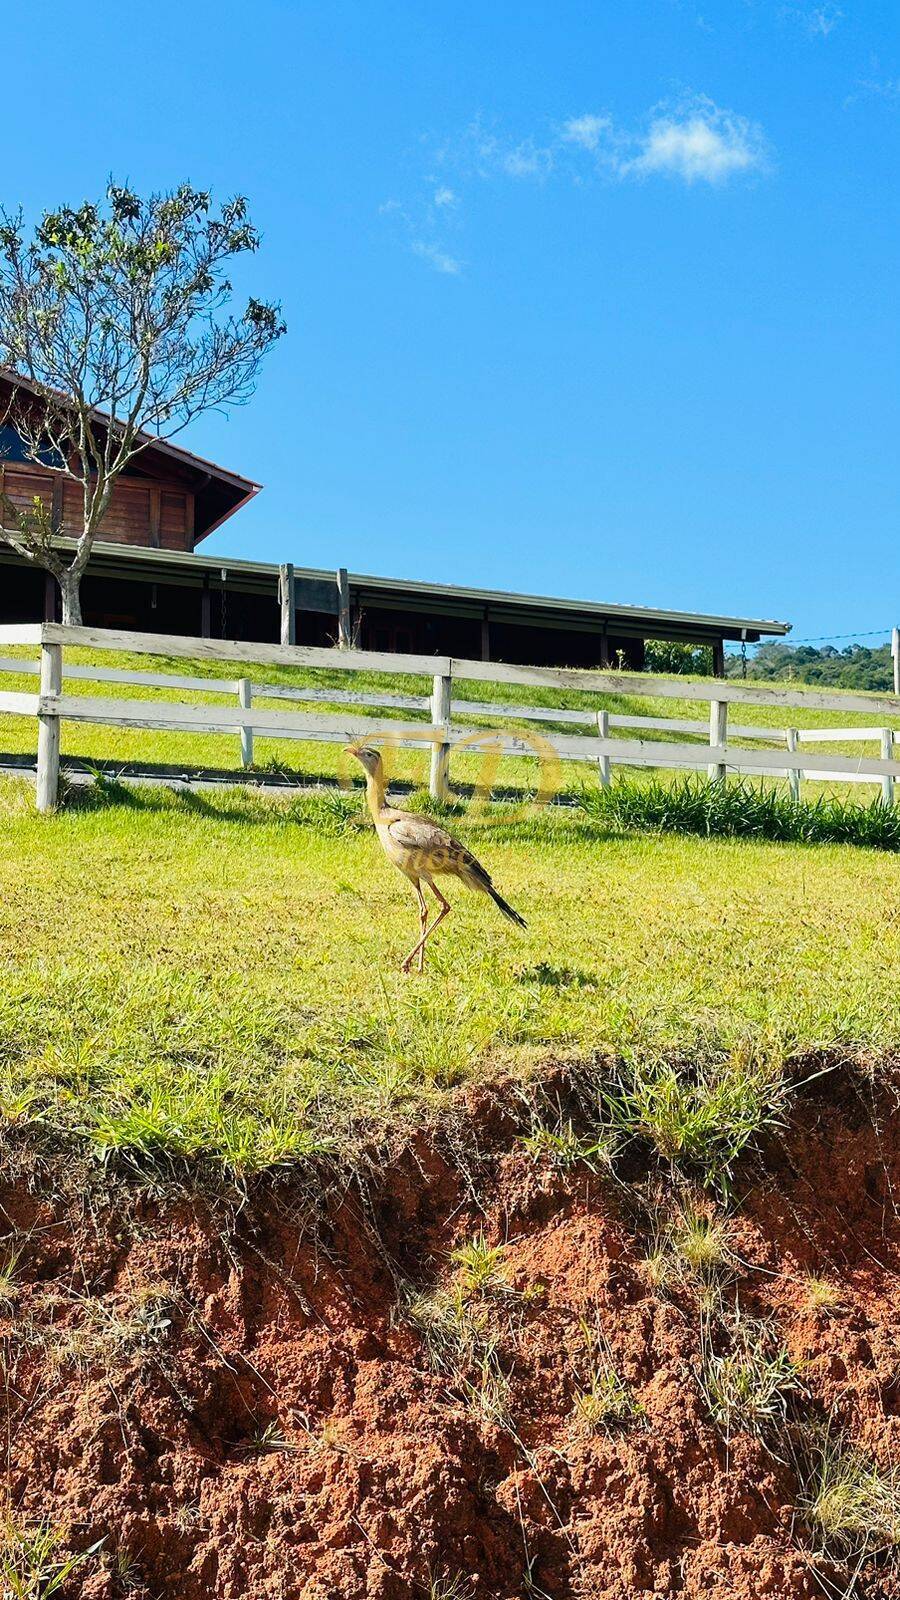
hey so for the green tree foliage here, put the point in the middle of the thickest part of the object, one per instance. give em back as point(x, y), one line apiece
point(856, 666)
point(668, 655)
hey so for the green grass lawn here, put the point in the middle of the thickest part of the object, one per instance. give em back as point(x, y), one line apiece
point(220, 975)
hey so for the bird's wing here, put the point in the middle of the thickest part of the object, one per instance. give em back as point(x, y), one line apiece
point(434, 850)
point(417, 833)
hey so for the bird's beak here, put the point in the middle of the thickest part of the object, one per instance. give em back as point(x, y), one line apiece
point(351, 750)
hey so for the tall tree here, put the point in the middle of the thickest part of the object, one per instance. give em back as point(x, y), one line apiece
point(116, 317)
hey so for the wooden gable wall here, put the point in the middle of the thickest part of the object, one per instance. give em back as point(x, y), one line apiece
point(147, 512)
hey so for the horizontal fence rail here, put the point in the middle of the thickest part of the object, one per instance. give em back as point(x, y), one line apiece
point(587, 734)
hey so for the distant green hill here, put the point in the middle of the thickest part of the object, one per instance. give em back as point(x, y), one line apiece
point(855, 667)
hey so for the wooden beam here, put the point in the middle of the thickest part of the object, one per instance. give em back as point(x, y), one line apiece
point(287, 600)
point(887, 754)
point(48, 728)
point(718, 657)
point(485, 637)
point(439, 776)
point(718, 735)
point(331, 728)
point(206, 649)
point(645, 685)
point(343, 589)
point(19, 705)
point(245, 701)
point(793, 741)
point(603, 766)
point(21, 633)
point(205, 610)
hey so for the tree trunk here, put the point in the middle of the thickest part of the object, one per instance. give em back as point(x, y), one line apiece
point(70, 589)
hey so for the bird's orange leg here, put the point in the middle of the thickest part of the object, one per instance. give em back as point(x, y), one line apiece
point(423, 930)
point(419, 949)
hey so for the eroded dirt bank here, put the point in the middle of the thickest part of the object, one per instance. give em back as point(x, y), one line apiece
point(242, 1402)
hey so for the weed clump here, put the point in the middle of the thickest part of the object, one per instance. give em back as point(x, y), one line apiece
point(466, 1326)
point(606, 1401)
point(560, 1145)
point(748, 1385)
point(851, 1505)
point(701, 1118)
point(33, 1561)
point(822, 1296)
point(741, 810)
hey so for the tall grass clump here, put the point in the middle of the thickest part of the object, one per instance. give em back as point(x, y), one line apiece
point(748, 1386)
point(699, 1118)
point(741, 811)
point(851, 1505)
point(33, 1561)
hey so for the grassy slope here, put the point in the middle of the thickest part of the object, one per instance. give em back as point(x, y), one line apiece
point(18, 734)
point(221, 975)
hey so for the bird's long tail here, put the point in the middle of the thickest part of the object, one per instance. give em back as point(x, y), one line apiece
point(506, 908)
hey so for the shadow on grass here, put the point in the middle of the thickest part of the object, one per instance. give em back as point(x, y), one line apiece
point(332, 810)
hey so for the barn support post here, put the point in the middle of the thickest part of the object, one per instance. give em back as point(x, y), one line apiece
point(718, 735)
point(245, 701)
point(439, 776)
point(343, 594)
point(887, 754)
point(485, 637)
point(603, 764)
point(205, 609)
point(718, 658)
point(48, 730)
point(287, 600)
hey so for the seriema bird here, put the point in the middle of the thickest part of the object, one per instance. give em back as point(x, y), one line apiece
point(423, 851)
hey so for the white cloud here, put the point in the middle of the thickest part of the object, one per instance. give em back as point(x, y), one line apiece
point(495, 155)
point(440, 259)
point(699, 143)
point(586, 131)
point(691, 141)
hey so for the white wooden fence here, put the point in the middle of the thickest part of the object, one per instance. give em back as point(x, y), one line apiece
point(781, 756)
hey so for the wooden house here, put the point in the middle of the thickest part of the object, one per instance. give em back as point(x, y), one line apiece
point(148, 573)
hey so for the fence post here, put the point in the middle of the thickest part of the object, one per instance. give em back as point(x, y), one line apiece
point(887, 754)
point(603, 761)
point(792, 737)
point(48, 730)
point(245, 701)
point(439, 776)
point(718, 734)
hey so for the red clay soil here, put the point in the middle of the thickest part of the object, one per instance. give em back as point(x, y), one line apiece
point(231, 1398)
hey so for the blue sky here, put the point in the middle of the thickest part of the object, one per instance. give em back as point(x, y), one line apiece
point(583, 299)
